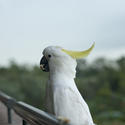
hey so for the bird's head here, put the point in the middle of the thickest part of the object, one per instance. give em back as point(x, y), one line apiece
point(58, 59)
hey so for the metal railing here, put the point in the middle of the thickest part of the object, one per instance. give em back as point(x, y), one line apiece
point(28, 113)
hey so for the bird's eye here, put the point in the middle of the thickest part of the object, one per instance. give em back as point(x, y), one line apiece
point(49, 56)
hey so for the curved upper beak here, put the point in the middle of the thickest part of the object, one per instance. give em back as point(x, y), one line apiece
point(44, 64)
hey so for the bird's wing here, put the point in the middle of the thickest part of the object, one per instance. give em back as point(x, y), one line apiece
point(70, 104)
point(49, 98)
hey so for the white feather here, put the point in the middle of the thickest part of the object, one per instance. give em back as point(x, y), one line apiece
point(63, 98)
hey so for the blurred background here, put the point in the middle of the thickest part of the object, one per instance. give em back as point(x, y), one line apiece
point(28, 26)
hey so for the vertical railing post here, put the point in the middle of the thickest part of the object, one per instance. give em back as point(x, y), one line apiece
point(9, 115)
point(24, 122)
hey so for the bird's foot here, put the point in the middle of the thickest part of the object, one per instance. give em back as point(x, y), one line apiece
point(63, 119)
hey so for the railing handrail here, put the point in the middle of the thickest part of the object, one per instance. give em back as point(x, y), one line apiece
point(7, 100)
point(28, 113)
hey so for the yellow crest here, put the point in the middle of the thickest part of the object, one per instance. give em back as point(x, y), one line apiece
point(79, 54)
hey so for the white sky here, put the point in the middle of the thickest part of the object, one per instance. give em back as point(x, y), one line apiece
point(28, 26)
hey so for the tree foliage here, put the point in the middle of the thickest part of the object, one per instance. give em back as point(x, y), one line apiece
point(101, 83)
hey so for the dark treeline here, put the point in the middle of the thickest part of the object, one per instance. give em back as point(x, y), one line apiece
point(101, 83)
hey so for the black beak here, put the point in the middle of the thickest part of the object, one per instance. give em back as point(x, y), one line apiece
point(44, 64)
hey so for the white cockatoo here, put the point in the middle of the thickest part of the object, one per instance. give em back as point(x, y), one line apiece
point(62, 96)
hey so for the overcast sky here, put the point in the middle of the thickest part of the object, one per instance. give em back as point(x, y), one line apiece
point(28, 26)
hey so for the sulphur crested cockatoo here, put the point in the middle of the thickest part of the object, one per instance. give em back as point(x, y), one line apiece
point(62, 96)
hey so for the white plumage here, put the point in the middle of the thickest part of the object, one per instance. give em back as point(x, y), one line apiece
point(62, 96)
